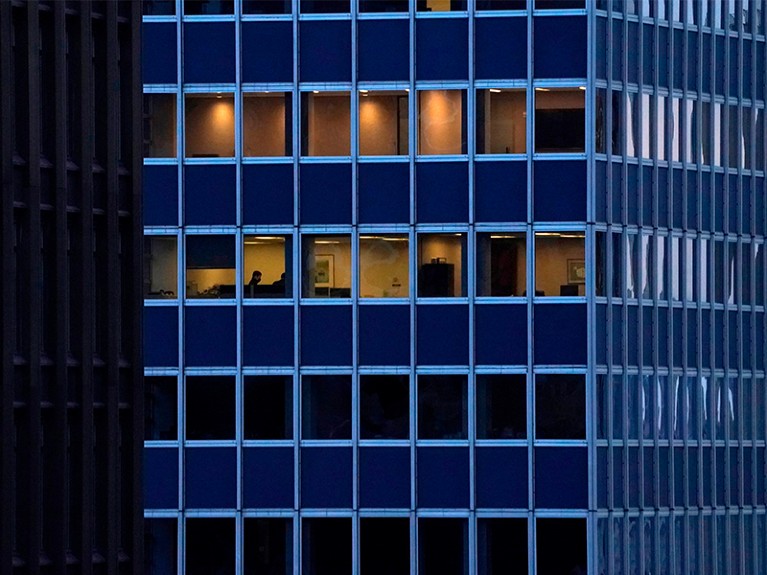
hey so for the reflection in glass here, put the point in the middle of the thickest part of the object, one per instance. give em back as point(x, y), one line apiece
point(267, 266)
point(501, 125)
point(441, 265)
point(208, 7)
point(326, 265)
point(159, 7)
point(383, 123)
point(384, 264)
point(160, 546)
point(560, 406)
point(325, 124)
point(266, 121)
point(159, 125)
point(560, 120)
point(560, 264)
point(501, 406)
point(210, 266)
point(660, 267)
point(209, 125)
point(660, 126)
point(384, 406)
point(160, 266)
point(160, 408)
point(632, 124)
point(326, 407)
point(501, 264)
point(441, 122)
point(442, 407)
point(268, 545)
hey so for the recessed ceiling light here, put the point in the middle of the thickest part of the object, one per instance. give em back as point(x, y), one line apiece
point(495, 90)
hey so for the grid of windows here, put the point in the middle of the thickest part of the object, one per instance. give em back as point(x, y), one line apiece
point(434, 278)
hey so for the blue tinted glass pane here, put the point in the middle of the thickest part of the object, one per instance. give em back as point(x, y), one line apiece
point(441, 49)
point(441, 192)
point(491, 322)
point(325, 51)
point(560, 334)
point(160, 478)
point(442, 334)
point(267, 477)
point(160, 195)
point(501, 48)
point(317, 347)
point(267, 194)
point(500, 191)
point(433, 490)
point(160, 336)
point(267, 336)
point(210, 480)
point(326, 193)
point(384, 193)
point(326, 477)
point(209, 52)
point(209, 195)
point(383, 50)
point(384, 477)
point(560, 47)
point(384, 335)
point(158, 48)
point(210, 335)
point(561, 477)
point(267, 52)
point(550, 179)
point(501, 477)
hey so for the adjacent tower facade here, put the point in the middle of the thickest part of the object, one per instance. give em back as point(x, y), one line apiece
point(71, 414)
point(447, 286)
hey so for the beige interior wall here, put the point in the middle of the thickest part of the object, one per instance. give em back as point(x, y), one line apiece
point(199, 280)
point(263, 125)
point(342, 260)
point(443, 246)
point(266, 257)
point(438, 5)
point(439, 122)
point(551, 255)
point(329, 125)
point(209, 126)
point(559, 99)
point(378, 125)
point(505, 122)
point(163, 267)
point(384, 268)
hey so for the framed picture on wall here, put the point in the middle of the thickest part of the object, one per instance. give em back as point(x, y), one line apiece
point(576, 271)
point(324, 271)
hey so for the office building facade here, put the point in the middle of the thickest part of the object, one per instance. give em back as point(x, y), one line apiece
point(447, 286)
point(70, 161)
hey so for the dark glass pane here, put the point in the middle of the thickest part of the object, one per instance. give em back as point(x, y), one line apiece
point(210, 408)
point(384, 406)
point(561, 546)
point(442, 404)
point(502, 546)
point(384, 546)
point(501, 407)
point(160, 544)
point(327, 546)
point(560, 407)
point(326, 407)
point(160, 408)
point(210, 546)
point(268, 546)
point(442, 547)
point(208, 7)
point(268, 407)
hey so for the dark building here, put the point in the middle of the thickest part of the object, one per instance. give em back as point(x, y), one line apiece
point(70, 388)
point(511, 308)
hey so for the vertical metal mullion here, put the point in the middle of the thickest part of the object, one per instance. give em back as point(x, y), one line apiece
point(113, 287)
point(8, 295)
point(413, 139)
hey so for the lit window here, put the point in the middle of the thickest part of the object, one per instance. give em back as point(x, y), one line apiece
point(267, 268)
point(383, 123)
point(501, 406)
point(266, 124)
point(160, 267)
point(441, 122)
point(501, 264)
point(210, 271)
point(326, 265)
point(440, 5)
point(560, 264)
point(384, 261)
point(325, 124)
point(209, 125)
point(560, 406)
point(560, 120)
point(159, 125)
point(326, 407)
point(384, 407)
point(441, 265)
point(268, 407)
point(442, 407)
point(501, 127)
point(210, 408)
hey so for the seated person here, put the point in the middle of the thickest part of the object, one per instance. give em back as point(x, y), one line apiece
point(255, 279)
